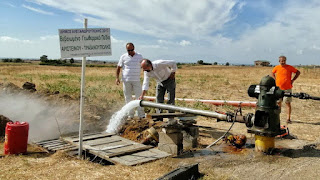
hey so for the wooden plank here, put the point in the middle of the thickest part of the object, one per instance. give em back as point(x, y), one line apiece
point(121, 153)
point(131, 159)
point(141, 157)
point(108, 147)
point(104, 143)
point(90, 137)
point(105, 154)
point(84, 135)
point(132, 148)
point(53, 144)
point(47, 141)
point(116, 149)
point(96, 142)
point(72, 148)
point(104, 140)
point(63, 147)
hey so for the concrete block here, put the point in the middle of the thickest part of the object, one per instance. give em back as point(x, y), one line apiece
point(172, 138)
point(189, 141)
point(171, 148)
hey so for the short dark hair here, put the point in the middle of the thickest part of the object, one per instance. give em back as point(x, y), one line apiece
point(148, 62)
point(130, 43)
point(283, 57)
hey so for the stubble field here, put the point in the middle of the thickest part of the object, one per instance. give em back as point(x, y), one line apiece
point(61, 87)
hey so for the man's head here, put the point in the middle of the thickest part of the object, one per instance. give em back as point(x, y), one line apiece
point(146, 65)
point(130, 48)
point(282, 60)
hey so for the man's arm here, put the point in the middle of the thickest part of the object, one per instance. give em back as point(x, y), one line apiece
point(273, 73)
point(117, 75)
point(145, 85)
point(142, 94)
point(296, 76)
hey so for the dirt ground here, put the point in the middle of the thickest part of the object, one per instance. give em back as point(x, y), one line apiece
point(296, 157)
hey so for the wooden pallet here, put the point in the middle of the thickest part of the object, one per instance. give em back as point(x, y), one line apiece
point(117, 149)
point(54, 145)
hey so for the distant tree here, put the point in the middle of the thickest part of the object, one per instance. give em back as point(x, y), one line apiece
point(6, 60)
point(227, 64)
point(215, 63)
point(71, 60)
point(200, 62)
point(104, 62)
point(44, 58)
point(18, 60)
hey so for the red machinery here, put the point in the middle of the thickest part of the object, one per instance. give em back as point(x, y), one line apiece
point(16, 138)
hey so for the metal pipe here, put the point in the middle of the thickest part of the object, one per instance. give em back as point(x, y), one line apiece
point(183, 109)
point(214, 102)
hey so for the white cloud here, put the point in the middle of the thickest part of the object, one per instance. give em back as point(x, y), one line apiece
point(11, 39)
point(161, 41)
point(292, 32)
point(316, 47)
point(14, 47)
point(37, 10)
point(166, 28)
point(151, 46)
point(300, 51)
point(114, 40)
point(43, 38)
point(163, 18)
point(9, 4)
point(185, 43)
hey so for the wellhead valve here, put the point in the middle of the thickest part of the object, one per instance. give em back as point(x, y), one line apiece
point(267, 114)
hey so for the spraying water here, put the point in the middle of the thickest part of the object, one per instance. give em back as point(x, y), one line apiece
point(119, 118)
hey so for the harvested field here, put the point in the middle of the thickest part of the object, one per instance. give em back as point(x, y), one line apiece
point(297, 158)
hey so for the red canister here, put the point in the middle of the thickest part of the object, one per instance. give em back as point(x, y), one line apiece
point(16, 137)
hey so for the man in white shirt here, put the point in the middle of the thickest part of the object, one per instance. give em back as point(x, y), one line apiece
point(130, 64)
point(164, 73)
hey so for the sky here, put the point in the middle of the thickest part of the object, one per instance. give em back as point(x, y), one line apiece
point(234, 31)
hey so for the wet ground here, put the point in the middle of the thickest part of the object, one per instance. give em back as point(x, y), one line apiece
point(292, 158)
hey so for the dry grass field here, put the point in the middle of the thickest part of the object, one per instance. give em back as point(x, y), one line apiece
point(103, 98)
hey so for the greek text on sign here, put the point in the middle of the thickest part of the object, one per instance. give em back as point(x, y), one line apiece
point(85, 42)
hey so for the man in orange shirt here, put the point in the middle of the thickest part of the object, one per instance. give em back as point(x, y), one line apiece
point(283, 75)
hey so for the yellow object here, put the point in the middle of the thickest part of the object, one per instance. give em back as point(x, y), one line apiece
point(153, 133)
point(263, 143)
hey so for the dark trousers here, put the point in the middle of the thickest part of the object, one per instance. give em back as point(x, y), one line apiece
point(169, 86)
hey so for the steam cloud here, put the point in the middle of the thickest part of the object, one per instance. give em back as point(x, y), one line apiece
point(44, 118)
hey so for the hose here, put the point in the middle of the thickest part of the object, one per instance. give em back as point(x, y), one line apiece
point(224, 135)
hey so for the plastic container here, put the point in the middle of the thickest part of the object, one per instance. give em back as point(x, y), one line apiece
point(16, 137)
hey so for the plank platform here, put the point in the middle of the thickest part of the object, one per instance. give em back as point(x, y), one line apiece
point(114, 148)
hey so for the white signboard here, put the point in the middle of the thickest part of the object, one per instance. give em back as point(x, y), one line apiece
point(85, 42)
